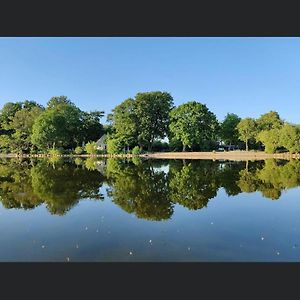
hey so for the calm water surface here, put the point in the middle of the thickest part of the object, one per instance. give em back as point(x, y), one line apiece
point(152, 210)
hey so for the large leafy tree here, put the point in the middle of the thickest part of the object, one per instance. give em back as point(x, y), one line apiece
point(268, 121)
point(49, 130)
point(22, 123)
point(92, 129)
point(17, 120)
point(247, 130)
point(228, 129)
point(152, 112)
point(270, 139)
point(290, 137)
point(193, 123)
point(124, 123)
point(63, 124)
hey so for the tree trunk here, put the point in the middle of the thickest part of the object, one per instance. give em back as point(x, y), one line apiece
point(246, 145)
point(184, 148)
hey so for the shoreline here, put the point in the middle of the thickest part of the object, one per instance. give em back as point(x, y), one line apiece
point(230, 155)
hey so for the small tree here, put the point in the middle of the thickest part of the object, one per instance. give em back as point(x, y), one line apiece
point(91, 148)
point(136, 150)
point(114, 146)
point(78, 150)
point(247, 130)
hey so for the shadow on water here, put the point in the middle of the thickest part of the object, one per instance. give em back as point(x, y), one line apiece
point(149, 188)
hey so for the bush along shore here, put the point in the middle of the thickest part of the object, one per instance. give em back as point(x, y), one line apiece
point(148, 125)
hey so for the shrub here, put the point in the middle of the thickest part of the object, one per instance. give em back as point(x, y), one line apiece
point(136, 150)
point(91, 148)
point(78, 150)
point(55, 152)
point(114, 146)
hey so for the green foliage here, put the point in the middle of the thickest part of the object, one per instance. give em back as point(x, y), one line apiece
point(49, 130)
point(268, 121)
point(193, 123)
point(124, 123)
point(79, 150)
point(270, 139)
point(55, 152)
point(228, 129)
point(136, 150)
point(114, 145)
point(247, 130)
point(91, 148)
point(152, 112)
point(290, 138)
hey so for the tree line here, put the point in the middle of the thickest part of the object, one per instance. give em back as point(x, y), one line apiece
point(138, 124)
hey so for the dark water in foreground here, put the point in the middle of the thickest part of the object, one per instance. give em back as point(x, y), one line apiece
point(153, 210)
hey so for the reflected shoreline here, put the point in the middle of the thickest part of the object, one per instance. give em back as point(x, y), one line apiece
point(147, 188)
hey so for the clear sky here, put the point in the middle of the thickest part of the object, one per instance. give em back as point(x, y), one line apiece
point(246, 76)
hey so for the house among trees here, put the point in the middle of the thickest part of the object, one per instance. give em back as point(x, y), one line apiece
point(101, 143)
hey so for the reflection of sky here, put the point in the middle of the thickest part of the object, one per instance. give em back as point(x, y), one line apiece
point(162, 169)
point(244, 227)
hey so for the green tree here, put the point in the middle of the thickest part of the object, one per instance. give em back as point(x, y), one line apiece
point(124, 122)
point(114, 145)
point(193, 123)
point(270, 139)
point(247, 130)
point(228, 129)
point(152, 112)
point(91, 129)
point(49, 130)
point(290, 138)
point(91, 148)
point(268, 121)
point(60, 125)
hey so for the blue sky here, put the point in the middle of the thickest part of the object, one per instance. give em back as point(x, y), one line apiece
point(246, 76)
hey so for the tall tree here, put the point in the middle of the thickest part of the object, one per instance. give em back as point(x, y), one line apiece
point(247, 130)
point(228, 130)
point(152, 112)
point(270, 139)
point(290, 137)
point(124, 123)
point(193, 123)
point(268, 121)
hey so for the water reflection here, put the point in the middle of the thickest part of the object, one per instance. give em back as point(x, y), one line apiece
point(148, 189)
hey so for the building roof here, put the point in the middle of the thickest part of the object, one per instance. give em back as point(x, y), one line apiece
point(102, 140)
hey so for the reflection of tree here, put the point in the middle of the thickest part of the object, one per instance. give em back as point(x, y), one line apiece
point(193, 184)
point(26, 184)
point(271, 179)
point(15, 185)
point(228, 177)
point(63, 186)
point(138, 189)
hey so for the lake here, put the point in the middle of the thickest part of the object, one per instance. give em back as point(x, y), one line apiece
point(115, 210)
